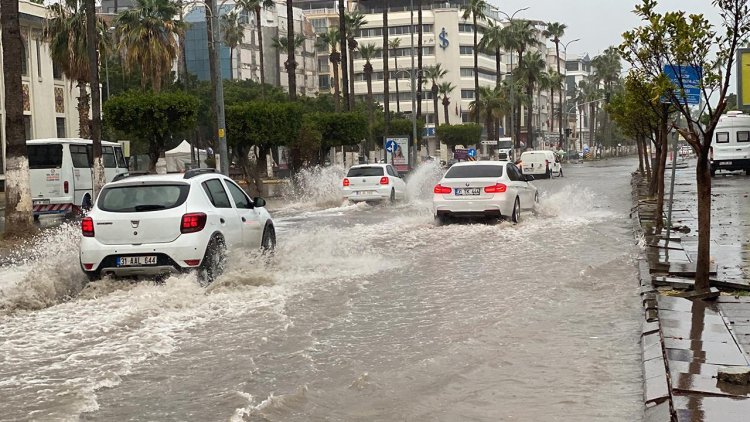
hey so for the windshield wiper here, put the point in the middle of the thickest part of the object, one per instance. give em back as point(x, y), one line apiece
point(149, 207)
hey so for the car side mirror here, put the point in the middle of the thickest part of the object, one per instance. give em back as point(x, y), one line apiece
point(259, 202)
point(528, 177)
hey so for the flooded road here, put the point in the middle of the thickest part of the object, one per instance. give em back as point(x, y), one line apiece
point(365, 313)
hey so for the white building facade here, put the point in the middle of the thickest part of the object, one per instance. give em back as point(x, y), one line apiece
point(49, 100)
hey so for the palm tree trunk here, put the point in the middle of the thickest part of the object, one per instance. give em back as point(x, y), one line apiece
point(84, 127)
point(96, 115)
point(552, 113)
point(530, 115)
point(476, 67)
point(370, 113)
point(342, 42)
point(419, 59)
point(398, 95)
point(260, 49)
point(446, 103)
point(18, 211)
point(386, 74)
point(435, 105)
point(336, 89)
point(291, 65)
point(351, 80)
point(498, 73)
point(231, 64)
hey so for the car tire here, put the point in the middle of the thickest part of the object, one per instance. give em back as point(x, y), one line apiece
point(392, 198)
point(713, 172)
point(561, 173)
point(515, 217)
point(268, 242)
point(548, 174)
point(441, 220)
point(92, 276)
point(213, 261)
point(747, 172)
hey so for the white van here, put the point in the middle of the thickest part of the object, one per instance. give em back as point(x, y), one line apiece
point(541, 163)
point(61, 174)
point(730, 148)
point(505, 149)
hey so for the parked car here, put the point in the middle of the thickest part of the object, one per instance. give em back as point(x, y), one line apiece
point(61, 175)
point(730, 148)
point(495, 189)
point(541, 163)
point(373, 182)
point(160, 224)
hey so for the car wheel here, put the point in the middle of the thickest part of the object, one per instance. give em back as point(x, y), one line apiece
point(561, 174)
point(747, 172)
point(392, 199)
point(548, 174)
point(536, 202)
point(516, 216)
point(93, 276)
point(268, 244)
point(713, 172)
point(441, 220)
point(213, 261)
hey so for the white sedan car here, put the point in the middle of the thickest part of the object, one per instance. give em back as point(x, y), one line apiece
point(159, 224)
point(373, 182)
point(495, 189)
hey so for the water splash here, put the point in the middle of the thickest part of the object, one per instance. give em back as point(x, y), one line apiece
point(422, 180)
point(317, 187)
point(573, 203)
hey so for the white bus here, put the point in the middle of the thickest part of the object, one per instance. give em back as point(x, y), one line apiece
point(61, 174)
point(730, 148)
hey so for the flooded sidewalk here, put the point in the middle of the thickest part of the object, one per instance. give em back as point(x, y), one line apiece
point(690, 343)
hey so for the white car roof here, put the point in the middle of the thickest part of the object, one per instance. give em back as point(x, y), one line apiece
point(369, 165)
point(171, 178)
point(475, 163)
point(79, 141)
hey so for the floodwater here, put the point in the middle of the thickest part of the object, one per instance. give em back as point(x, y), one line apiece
point(364, 313)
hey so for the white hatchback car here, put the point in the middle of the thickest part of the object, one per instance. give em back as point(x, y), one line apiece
point(373, 182)
point(154, 225)
point(495, 189)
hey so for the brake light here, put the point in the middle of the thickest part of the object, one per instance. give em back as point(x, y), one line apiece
point(346, 182)
point(385, 180)
point(88, 266)
point(497, 188)
point(87, 226)
point(442, 189)
point(192, 262)
point(193, 222)
point(66, 188)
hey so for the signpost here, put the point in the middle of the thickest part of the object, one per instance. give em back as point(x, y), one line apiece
point(743, 78)
point(472, 153)
point(398, 149)
point(687, 79)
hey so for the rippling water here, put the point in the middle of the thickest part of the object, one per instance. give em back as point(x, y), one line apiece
point(364, 313)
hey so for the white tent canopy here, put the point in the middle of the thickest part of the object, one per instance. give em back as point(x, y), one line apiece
point(178, 158)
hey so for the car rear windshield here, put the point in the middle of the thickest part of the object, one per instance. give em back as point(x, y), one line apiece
point(505, 144)
point(365, 171)
point(45, 156)
point(142, 198)
point(466, 172)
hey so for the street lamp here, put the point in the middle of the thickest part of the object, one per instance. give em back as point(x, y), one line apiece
point(512, 108)
point(565, 52)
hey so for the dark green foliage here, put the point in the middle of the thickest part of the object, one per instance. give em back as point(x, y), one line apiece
point(465, 134)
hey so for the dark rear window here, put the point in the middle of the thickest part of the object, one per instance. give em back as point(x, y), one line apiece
point(505, 144)
point(465, 172)
point(108, 157)
point(45, 156)
point(365, 171)
point(141, 198)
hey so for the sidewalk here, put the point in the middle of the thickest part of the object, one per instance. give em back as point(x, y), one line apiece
point(685, 343)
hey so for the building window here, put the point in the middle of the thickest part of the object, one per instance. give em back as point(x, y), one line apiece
point(320, 24)
point(467, 94)
point(38, 59)
point(61, 133)
point(465, 27)
point(465, 117)
point(467, 72)
point(324, 81)
point(56, 72)
point(369, 32)
point(323, 65)
point(27, 127)
point(571, 66)
point(25, 62)
point(466, 50)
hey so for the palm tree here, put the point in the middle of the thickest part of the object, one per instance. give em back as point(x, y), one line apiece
point(18, 216)
point(256, 6)
point(394, 44)
point(518, 36)
point(148, 36)
point(291, 64)
point(475, 9)
point(493, 107)
point(532, 70)
point(331, 39)
point(555, 31)
point(368, 52)
point(607, 70)
point(492, 40)
point(233, 34)
point(354, 21)
point(282, 44)
point(589, 92)
point(434, 74)
point(556, 81)
point(445, 89)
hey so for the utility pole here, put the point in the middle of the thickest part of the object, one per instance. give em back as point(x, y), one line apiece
point(516, 143)
point(219, 88)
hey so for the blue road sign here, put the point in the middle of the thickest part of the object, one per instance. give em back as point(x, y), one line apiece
point(687, 79)
point(391, 146)
point(471, 153)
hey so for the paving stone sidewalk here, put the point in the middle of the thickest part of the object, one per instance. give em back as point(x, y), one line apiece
point(685, 342)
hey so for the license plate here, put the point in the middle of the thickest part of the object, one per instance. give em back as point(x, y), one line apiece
point(467, 191)
point(129, 261)
point(40, 201)
point(725, 163)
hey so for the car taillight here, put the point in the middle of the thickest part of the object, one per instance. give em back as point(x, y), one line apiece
point(192, 262)
point(497, 188)
point(87, 226)
point(193, 222)
point(442, 189)
point(346, 182)
point(385, 180)
point(88, 266)
point(66, 188)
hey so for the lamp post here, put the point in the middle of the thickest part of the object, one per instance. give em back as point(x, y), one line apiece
point(562, 107)
point(510, 73)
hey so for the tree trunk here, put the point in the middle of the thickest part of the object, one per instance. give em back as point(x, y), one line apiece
point(342, 41)
point(84, 125)
point(398, 95)
point(653, 188)
point(386, 74)
point(291, 64)
point(96, 119)
point(530, 115)
point(19, 220)
point(261, 168)
point(213, 72)
point(336, 89)
point(419, 59)
point(260, 49)
point(476, 68)
point(640, 156)
point(552, 113)
point(446, 103)
point(498, 73)
point(351, 80)
point(664, 141)
point(435, 104)
point(182, 65)
point(646, 156)
point(231, 63)
point(703, 179)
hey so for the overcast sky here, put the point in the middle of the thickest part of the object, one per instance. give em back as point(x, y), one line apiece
point(598, 23)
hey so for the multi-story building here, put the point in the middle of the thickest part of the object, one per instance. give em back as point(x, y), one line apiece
point(49, 99)
point(578, 69)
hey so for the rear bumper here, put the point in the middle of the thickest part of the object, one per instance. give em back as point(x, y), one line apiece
point(494, 207)
point(48, 209)
point(535, 171)
point(367, 194)
point(731, 164)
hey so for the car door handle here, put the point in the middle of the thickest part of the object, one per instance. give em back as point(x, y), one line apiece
point(221, 220)
point(243, 219)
